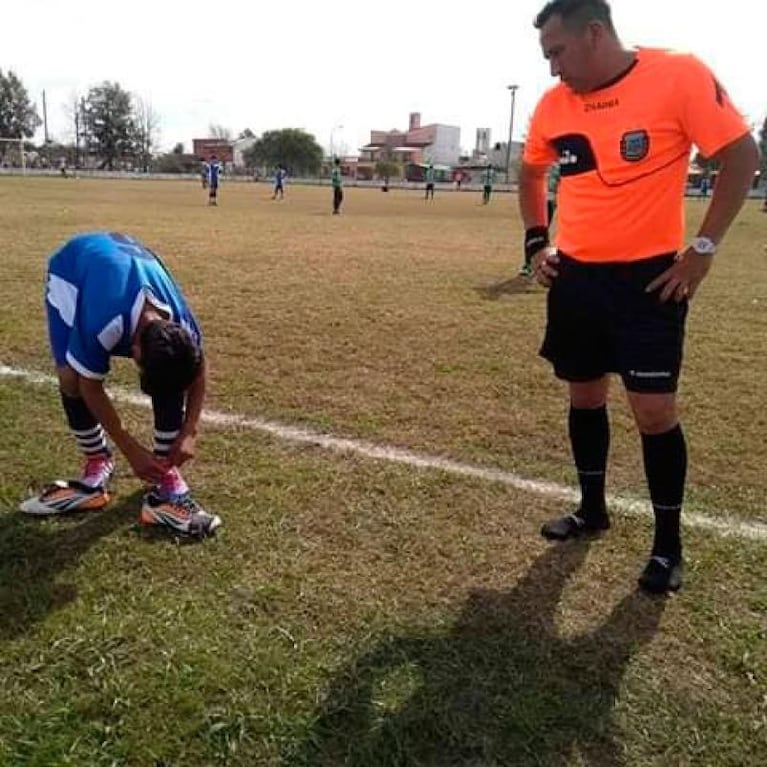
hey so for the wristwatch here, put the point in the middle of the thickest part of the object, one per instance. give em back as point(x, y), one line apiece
point(703, 246)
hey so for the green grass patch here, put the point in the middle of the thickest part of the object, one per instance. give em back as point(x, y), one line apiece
point(355, 612)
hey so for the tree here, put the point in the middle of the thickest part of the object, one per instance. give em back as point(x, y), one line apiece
point(763, 147)
point(219, 131)
point(178, 149)
point(247, 133)
point(387, 169)
point(297, 150)
point(109, 127)
point(147, 128)
point(18, 117)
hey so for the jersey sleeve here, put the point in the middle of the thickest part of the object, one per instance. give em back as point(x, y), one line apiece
point(538, 149)
point(708, 116)
point(188, 321)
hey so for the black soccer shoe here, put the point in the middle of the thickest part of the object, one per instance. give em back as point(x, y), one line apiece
point(574, 526)
point(661, 575)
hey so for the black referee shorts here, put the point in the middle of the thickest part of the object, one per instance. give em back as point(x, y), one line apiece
point(600, 320)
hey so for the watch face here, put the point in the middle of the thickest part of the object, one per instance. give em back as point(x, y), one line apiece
point(703, 245)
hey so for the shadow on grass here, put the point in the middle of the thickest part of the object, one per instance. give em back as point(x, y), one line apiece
point(509, 287)
point(35, 552)
point(503, 687)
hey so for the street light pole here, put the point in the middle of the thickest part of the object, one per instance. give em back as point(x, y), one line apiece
point(335, 127)
point(513, 89)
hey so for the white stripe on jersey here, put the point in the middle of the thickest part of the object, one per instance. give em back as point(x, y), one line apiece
point(144, 295)
point(62, 295)
point(110, 334)
point(82, 370)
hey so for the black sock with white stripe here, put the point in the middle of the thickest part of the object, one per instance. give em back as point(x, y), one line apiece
point(168, 419)
point(665, 462)
point(87, 430)
point(590, 440)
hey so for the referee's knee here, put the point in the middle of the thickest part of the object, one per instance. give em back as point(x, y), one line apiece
point(589, 395)
point(654, 413)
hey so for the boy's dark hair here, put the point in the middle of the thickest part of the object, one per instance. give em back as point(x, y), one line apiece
point(170, 359)
point(576, 14)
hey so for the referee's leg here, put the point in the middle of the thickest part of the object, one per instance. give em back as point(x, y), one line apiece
point(665, 461)
point(580, 351)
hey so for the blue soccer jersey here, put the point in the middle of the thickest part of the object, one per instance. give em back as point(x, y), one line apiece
point(214, 170)
point(97, 287)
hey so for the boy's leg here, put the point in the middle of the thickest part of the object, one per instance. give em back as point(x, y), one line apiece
point(168, 414)
point(171, 504)
point(91, 490)
point(88, 433)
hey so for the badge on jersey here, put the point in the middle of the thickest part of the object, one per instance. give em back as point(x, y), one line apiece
point(635, 145)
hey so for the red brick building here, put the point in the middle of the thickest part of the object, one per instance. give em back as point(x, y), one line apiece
point(205, 147)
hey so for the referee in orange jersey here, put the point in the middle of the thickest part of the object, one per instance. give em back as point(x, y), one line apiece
point(621, 124)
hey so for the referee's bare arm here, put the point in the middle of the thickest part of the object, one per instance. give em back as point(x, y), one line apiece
point(532, 194)
point(532, 206)
point(739, 162)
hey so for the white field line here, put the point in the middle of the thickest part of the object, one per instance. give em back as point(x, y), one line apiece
point(720, 524)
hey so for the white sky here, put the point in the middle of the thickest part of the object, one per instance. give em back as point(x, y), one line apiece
point(354, 63)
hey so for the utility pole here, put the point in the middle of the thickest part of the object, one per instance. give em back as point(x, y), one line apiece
point(332, 148)
point(84, 132)
point(45, 119)
point(76, 108)
point(513, 89)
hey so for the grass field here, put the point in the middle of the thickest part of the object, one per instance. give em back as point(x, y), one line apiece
point(360, 612)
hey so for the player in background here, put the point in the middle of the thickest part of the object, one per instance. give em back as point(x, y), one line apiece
point(280, 178)
point(214, 169)
point(107, 295)
point(488, 178)
point(336, 181)
point(429, 176)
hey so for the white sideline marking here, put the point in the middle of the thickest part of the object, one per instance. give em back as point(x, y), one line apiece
point(720, 524)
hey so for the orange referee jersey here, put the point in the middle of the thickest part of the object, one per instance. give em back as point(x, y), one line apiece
point(624, 152)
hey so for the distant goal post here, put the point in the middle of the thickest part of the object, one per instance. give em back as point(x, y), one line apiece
point(16, 147)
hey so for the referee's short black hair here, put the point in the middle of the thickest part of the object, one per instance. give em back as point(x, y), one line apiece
point(170, 359)
point(576, 14)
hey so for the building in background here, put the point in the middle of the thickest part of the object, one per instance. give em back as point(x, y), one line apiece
point(482, 146)
point(470, 169)
point(239, 147)
point(221, 147)
point(418, 145)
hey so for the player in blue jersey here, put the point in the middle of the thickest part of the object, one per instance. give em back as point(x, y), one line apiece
point(108, 295)
point(280, 176)
point(213, 171)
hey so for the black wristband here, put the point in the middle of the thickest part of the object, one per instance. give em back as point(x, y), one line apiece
point(536, 237)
